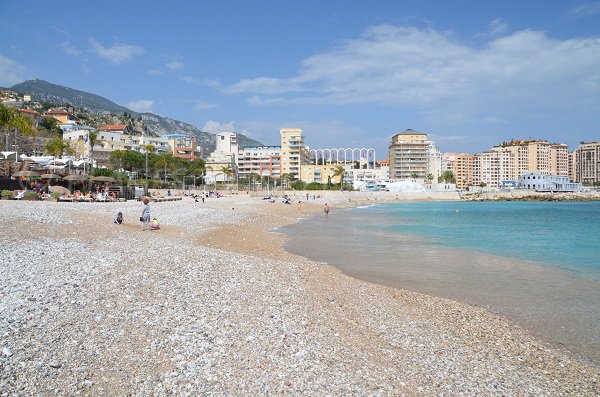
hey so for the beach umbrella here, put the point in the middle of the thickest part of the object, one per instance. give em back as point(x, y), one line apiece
point(50, 176)
point(104, 179)
point(74, 178)
point(59, 189)
point(26, 173)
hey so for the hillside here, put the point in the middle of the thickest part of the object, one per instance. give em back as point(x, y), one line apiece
point(103, 108)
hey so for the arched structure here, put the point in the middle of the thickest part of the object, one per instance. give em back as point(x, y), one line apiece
point(350, 155)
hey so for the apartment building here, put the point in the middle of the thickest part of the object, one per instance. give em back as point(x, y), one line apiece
point(587, 162)
point(410, 154)
point(495, 168)
point(294, 154)
point(461, 165)
point(262, 160)
point(559, 159)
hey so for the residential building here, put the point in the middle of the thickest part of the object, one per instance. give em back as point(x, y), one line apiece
point(223, 158)
point(294, 155)
point(559, 159)
point(587, 165)
point(573, 165)
point(61, 115)
point(495, 168)
point(182, 146)
point(461, 166)
point(548, 183)
point(410, 155)
point(262, 160)
point(33, 115)
point(319, 173)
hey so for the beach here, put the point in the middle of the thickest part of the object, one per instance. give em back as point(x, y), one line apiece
point(212, 304)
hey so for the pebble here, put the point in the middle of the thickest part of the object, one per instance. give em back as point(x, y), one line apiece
point(119, 317)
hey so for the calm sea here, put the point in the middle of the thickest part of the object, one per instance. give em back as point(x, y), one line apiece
point(537, 263)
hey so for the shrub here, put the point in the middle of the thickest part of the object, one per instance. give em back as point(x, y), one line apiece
point(7, 194)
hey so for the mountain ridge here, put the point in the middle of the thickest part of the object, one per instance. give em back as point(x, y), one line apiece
point(155, 124)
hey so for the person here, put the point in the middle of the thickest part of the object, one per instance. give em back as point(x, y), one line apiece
point(155, 224)
point(119, 219)
point(326, 210)
point(145, 218)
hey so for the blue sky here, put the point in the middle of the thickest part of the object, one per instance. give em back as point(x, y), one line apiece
point(349, 73)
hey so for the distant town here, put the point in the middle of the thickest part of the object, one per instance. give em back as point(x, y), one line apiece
point(413, 159)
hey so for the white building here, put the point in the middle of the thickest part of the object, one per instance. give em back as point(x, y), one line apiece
point(548, 183)
point(224, 157)
point(262, 160)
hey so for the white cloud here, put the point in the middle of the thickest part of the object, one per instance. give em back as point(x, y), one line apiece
point(69, 49)
point(154, 72)
point(175, 65)
point(431, 70)
point(199, 105)
point(205, 82)
point(117, 53)
point(141, 105)
point(11, 72)
point(585, 10)
point(215, 127)
point(498, 26)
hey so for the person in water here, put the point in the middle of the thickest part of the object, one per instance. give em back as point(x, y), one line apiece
point(326, 210)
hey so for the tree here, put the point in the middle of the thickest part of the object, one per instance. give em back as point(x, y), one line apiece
point(149, 149)
point(11, 119)
point(50, 124)
point(92, 138)
point(414, 175)
point(339, 171)
point(56, 147)
point(165, 161)
point(227, 172)
point(447, 177)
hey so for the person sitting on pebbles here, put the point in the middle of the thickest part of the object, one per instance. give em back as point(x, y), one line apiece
point(119, 219)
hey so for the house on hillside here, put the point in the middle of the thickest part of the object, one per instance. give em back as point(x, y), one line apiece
point(61, 115)
point(33, 115)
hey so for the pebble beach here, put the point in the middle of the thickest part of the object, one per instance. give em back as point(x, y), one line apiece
point(212, 305)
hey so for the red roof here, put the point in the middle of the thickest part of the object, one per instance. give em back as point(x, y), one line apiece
point(113, 127)
point(29, 111)
point(57, 111)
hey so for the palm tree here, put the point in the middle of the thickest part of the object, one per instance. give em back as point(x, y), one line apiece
point(93, 138)
point(11, 119)
point(227, 172)
point(165, 160)
point(149, 149)
point(340, 171)
point(56, 147)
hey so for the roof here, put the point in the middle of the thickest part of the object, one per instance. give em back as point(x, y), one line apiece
point(57, 111)
point(29, 111)
point(113, 127)
point(411, 132)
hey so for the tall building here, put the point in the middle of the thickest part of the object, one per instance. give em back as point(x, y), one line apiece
point(223, 158)
point(293, 152)
point(573, 165)
point(537, 156)
point(587, 165)
point(410, 155)
point(461, 165)
point(494, 168)
point(261, 160)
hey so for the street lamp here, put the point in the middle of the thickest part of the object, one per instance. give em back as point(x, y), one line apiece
point(16, 153)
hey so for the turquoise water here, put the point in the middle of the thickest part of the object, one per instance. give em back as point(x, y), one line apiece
point(536, 263)
point(563, 234)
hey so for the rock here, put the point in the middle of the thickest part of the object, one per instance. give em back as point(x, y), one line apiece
point(6, 351)
point(55, 364)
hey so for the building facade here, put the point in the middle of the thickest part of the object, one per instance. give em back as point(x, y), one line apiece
point(461, 166)
point(587, 162)
point(294, 154)
point(261, 160)
point(548, 183)
point(410, 155)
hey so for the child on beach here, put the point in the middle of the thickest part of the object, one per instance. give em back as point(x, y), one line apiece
point(145, 218)
point(119, 219)
point(326, 210)
point(155, 224)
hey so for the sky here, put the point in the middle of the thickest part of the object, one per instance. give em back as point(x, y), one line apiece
point(471, 74)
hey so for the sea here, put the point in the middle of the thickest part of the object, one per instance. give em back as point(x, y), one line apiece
point(535, 263)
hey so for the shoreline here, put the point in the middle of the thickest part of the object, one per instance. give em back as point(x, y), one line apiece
point(257, 312)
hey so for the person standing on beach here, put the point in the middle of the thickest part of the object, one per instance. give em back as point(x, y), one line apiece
point(326, 210)
point(145, 218)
